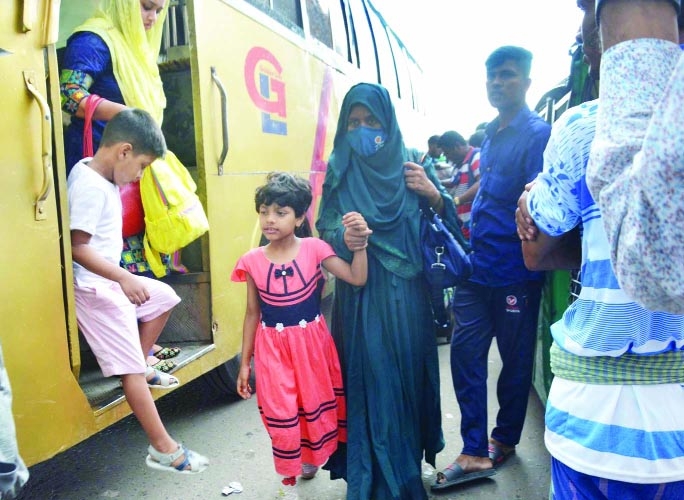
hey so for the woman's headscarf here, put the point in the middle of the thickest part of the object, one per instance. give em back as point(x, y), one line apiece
point(134, 52)
point(374, 185)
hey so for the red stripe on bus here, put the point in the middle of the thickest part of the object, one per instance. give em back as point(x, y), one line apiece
point(318, 164)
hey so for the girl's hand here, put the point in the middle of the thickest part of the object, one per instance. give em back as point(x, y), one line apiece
point(356, 231)
point(243, 387)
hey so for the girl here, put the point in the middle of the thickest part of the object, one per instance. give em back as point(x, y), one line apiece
point(300, 394)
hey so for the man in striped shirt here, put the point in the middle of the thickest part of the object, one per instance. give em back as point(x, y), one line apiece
point(614, 419)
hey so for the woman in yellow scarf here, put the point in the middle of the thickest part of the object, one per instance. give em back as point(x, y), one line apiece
point(114, 55)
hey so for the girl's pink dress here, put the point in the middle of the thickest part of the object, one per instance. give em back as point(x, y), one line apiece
point(299, 380)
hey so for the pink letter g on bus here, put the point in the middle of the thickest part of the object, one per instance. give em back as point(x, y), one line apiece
point(266, 88)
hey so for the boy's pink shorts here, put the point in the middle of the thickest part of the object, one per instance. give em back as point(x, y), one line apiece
point(109, 322)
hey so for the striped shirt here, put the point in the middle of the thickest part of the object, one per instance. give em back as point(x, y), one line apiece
point(632, 433)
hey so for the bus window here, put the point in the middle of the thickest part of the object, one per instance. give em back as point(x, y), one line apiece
point(363, 42)
point(417, 84)
point(338, 24)
point(286, 12)
point(318, 12)
point(348, 34)
point(403, 75)
point(388, 74)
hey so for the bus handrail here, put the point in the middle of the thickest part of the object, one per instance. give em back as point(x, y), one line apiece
point(224, 119)
point(46, 120)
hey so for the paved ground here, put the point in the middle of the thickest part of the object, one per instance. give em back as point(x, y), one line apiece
point(525, 476)
point(111, 464)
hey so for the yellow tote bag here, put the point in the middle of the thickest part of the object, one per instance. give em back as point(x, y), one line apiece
point(174, 216)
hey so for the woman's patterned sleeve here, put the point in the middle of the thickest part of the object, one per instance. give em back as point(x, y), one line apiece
point(86, 56)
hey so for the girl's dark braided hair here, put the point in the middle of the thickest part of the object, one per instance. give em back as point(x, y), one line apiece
point(286, 190)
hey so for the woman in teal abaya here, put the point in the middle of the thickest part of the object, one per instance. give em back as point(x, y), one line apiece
point(385, 331)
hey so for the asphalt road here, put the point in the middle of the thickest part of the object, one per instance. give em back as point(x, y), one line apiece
point(112, 463)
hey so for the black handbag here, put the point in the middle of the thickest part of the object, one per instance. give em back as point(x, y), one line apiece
point(446, 260)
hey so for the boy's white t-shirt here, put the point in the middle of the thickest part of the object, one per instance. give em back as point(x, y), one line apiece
point(95, 208)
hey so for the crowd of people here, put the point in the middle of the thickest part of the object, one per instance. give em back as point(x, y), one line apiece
point(600, 191)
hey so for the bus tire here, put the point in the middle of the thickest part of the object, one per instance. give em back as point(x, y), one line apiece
point(223, 378)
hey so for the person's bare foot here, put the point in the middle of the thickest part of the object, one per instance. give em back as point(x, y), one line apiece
point(470, 463)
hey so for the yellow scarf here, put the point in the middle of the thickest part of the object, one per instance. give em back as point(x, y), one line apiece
point(134, 52)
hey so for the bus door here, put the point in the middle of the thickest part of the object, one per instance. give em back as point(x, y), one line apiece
point(35, 331)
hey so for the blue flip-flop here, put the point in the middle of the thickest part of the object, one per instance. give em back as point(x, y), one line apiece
point(498, 454)
point(454, 474)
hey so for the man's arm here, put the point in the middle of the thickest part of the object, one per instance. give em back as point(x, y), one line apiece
point(542, 252)
point(636, 170)
point(469, 195)
point(549, 253)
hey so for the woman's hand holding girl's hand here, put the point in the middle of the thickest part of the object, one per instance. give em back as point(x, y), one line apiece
point(356, 231)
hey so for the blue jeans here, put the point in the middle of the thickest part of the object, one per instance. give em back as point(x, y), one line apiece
point(481, 313)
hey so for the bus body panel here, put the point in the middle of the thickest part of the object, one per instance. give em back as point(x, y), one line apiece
point(47, 396)
point(281, 103)
point(283, 92)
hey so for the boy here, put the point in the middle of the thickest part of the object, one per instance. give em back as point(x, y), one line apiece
point(120, 314)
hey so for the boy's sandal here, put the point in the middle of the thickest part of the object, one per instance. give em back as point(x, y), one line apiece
point(160, 380)
point(193, 463)
point(167, 353)
point(163, 365)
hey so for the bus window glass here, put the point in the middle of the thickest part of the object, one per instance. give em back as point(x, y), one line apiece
point(337, 26)
point(365, 48)
point(348, 33)
point(388, 75)
point(403, 75)
point(286, 12)
point(319, 21)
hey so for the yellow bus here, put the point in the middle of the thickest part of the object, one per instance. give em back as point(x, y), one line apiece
point(252, 86)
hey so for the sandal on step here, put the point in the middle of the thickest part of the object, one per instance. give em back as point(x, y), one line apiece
point(163, 461)
point(163, 365)
point(166, 353)
point(160, 380)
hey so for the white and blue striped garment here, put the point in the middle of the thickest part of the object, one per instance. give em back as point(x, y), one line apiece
point(626, 433)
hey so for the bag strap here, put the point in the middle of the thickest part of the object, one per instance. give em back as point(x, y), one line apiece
point(91, 103)
point(160, 190)
point(434, 218)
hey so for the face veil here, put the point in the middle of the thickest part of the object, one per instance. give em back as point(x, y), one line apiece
point(374, 185)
